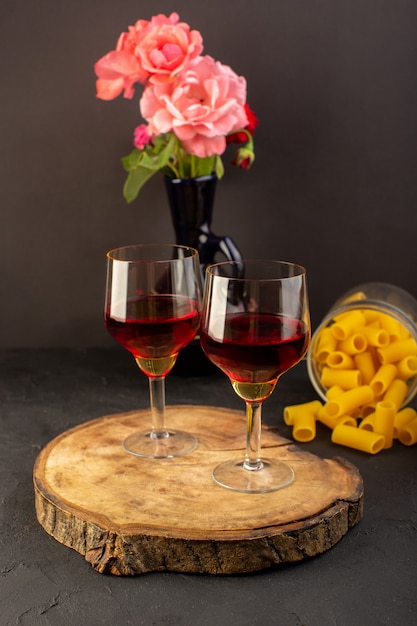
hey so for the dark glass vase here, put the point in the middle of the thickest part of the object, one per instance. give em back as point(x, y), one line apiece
point(191, 201)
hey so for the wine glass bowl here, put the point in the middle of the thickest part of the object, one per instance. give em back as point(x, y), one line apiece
point(255, 326)
point(152, 308)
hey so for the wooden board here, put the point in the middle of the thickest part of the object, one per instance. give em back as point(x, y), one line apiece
point(128, 515)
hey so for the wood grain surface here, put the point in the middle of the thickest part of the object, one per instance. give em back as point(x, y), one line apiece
point(129, 515)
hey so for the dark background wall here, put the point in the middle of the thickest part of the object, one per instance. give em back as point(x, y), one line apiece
point(334, 184)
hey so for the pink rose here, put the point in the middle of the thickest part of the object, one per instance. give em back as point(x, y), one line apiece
point(117, 71)
point(206, 103)
point(156, 50)
point(166, 46)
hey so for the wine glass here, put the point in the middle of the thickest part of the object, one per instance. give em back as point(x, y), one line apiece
point(255, 326)
point(152, 308)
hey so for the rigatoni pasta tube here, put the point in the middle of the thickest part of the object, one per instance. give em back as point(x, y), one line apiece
point(372, 316)
point(396, 393)
point(402, 418)
point(375, 336)
point(325, 345)
point(383, 379)
point(408, 434)
point(397, 350)
point(354, 297)
point(355, 344)
point(357, 438)
point(368, 422)
point(340, 360)
point(296, 410)
point(304, 427)
point(407, 367)
point(346, 379)
point(364, 362)
point(334, 391)
point(384, 421)
point(349, 401)
point(346, 323)
point(395, 330)
point(332, 422)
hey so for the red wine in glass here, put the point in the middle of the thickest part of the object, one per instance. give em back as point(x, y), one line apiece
point(257, 348)
point(255, 326)
point(155, 329)
point(152, 308)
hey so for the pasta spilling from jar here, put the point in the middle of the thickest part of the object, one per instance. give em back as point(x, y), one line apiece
point(366, 361)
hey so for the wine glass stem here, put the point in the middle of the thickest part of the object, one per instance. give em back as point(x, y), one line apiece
point(253, 436)
point(157, 399)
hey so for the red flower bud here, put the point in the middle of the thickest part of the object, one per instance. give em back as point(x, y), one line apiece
point(252, 120)
point(239, 136)
point(244, 158)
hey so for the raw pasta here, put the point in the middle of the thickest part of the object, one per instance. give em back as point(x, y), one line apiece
point(366, 362)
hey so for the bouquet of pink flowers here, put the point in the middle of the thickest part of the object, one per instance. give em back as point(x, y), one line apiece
point(193, 105)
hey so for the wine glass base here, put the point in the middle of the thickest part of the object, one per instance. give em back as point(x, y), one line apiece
point(272, 475)
point(173, 443)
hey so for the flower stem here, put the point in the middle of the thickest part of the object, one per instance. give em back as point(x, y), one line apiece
point(194, 166)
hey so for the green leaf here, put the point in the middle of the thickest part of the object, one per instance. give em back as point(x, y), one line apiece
point(151, 161)
point(157, 156)
point(204, 166)
point(132, 160)
point(219, 167)
point(135, 181)
point(165, 154)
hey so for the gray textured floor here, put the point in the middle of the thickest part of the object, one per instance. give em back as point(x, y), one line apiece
point(369, 578)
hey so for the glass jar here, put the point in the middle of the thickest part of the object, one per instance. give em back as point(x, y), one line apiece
point(380, 298)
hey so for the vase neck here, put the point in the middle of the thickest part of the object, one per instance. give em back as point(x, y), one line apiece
point(191, 202)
